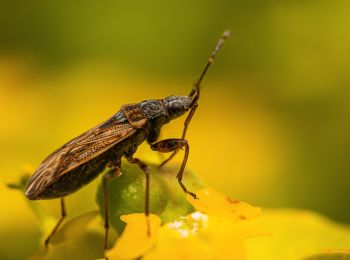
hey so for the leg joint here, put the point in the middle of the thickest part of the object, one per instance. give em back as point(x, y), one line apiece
point(169, 145)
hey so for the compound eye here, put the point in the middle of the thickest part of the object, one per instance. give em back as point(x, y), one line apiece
point(176, 108)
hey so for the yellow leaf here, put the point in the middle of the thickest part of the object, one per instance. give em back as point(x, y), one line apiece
point(74, 228)
point(331, 254)
point(297, 234)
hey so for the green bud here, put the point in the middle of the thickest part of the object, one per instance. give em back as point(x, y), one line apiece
point(167, 199)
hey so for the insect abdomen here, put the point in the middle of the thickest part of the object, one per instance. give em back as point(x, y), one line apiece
point(74, 179)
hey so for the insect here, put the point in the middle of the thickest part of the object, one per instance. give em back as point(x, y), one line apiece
point(83, 158)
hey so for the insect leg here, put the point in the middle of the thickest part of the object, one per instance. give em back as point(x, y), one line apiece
point(63, 215)
point(173, 145)
point(144, 167)
point(187, 122)
point(111, 174)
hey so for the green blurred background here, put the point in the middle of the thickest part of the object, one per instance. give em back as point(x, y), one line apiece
point(273, 123)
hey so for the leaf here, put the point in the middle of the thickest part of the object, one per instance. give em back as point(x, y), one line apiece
point(331, 255)
point(297, 234)
point(80, 238)
point(46, 222)
point(74, 228)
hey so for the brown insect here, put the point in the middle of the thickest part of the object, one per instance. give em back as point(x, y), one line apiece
point(83, 158)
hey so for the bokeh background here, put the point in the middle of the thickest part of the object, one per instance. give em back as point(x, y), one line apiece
point(272, 127)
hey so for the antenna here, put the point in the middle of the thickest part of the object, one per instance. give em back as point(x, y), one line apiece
point(195, 92)
point(196, 87)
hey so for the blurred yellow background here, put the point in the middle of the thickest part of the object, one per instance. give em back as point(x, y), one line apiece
point(272, 126)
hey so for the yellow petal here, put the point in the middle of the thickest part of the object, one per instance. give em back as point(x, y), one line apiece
point(199, 236)
point(228, 242)
point(177, 241)
point(181, 248)
point(217, 204)
point(135, 240)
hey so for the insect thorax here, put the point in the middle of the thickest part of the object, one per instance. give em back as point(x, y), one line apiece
point(154, 109)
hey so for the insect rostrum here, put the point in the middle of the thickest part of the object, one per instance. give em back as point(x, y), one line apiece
point(83, 158)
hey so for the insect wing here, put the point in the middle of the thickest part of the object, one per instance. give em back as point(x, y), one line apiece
point(76, 152)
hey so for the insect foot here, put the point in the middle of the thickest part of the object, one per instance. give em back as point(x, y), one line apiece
point(193, 195)
point(187, 191)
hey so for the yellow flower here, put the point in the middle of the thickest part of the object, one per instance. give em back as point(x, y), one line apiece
point(217, 204)
point(136, 240)
point(217, 230)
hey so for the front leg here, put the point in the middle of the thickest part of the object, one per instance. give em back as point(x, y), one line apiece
point(173, 145)
point(186, 123)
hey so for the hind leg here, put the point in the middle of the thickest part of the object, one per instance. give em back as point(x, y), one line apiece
point(111, 174)
point(63, 215)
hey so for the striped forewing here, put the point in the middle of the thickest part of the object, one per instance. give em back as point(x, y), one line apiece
point(78, 151)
